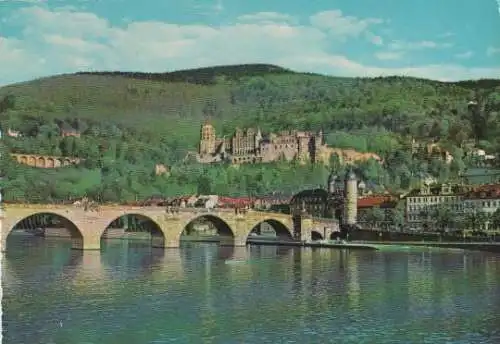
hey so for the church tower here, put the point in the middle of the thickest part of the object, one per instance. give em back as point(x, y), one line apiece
point(207, 139)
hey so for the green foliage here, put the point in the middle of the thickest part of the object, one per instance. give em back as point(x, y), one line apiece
point(132, 121)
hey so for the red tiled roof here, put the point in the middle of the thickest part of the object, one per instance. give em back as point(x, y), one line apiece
point(487, 191)
point(235, 201)
point(376, 201)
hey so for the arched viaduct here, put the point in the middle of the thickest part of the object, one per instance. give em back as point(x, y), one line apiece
point(87, 226)
point(44, 161)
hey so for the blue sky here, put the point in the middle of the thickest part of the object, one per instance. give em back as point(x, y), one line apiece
point(438, 39)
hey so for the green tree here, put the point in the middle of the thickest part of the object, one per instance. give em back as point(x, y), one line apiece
point(397, 216)
point(376, 216)
point(495, 219)
point(443, 217)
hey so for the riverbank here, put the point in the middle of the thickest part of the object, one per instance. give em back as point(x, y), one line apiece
point(322, 244)
point(386, 245)
point(475, 246)
point(354, 244)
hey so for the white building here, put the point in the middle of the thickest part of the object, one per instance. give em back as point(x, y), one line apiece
point(421, 202)
point(484, 199)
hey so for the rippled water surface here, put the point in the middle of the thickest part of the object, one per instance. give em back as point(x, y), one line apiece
point(132, 294)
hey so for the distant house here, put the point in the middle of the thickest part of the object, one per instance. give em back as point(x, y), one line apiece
point(481, 155)
point(13, 133)
point(431, 150)
point(70, 132)
point(350, 156)
point(477, 175)
point(161, 169)
point(272, 201)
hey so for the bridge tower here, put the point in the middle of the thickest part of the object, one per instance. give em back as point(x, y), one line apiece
point(350, 199)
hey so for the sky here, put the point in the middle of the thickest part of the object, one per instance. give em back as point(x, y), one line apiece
point(437, 39)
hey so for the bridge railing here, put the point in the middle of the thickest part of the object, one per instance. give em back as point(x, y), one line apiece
point(140, 207)
point(325, 219)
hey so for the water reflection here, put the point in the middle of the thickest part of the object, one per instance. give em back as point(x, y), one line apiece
point(255, 294)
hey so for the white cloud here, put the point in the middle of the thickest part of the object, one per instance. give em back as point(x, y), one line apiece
point(266, 17)
point(377, 40)
point(465, 55)
point(342, 26)
point(26, 1)
point(492, 50)
point(419, 45)
point(447, 34)
point(389, 55)
point(64, 41)
point(210, 8)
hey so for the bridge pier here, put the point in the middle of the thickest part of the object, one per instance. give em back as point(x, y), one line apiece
point(86, 226)
point(89, 241)
point(3, 243)
point(237, 241)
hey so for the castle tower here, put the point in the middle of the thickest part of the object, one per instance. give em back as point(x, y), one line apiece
point(207, 139)
point(317, 143)
point(350, 199)
point(258, 139)
point(303, 148)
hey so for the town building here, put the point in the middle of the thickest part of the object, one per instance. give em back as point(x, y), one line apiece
point(275, 202)
point(484, 200)
point(338, 200)
point(367, 205)
point(420, 202)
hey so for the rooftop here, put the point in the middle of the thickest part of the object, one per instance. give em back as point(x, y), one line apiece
point(488, 191)
point(382, 201)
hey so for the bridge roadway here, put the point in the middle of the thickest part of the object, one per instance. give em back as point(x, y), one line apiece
point(87, 225)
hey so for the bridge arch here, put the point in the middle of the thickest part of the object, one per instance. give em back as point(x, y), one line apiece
point(315, 235)
point(31, 161)
point(220, 227)
point(49, 163)
point(29, 219)
point(40, 162)
point(282, 231)
point(149, 225)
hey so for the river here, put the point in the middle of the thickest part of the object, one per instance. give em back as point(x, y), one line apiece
point(202, 293)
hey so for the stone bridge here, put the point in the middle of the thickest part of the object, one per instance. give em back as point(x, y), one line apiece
point(87, 226)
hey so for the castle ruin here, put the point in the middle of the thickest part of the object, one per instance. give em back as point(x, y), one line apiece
point(250, 146)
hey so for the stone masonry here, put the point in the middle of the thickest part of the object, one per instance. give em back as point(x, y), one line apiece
point(87, 226)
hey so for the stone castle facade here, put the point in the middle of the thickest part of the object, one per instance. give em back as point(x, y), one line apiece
point(250, 146)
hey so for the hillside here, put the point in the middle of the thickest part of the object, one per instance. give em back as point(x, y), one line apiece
point(202, 76)
point(139, 119)
point(237, 95)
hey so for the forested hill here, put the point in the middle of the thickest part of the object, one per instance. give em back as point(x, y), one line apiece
point(140, 119)
point(203, 76)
